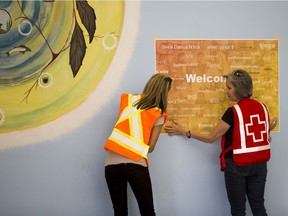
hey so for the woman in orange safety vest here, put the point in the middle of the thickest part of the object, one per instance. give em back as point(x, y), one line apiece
point(139, 123)
point(245, 131)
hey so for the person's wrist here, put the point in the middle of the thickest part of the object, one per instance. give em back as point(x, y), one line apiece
point(188, 134)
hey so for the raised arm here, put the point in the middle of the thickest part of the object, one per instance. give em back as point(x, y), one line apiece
point(177, 129)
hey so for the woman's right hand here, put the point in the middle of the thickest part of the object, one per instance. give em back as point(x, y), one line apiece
point(175, 129)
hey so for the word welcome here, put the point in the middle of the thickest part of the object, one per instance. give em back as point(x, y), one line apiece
point(204, 78)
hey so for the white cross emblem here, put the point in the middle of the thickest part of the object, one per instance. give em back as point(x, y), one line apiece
point(251, 128)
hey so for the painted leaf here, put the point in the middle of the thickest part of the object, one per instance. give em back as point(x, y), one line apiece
point(77, 49)
point(88, 17)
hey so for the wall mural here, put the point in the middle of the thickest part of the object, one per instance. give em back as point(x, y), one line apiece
point(55, 57)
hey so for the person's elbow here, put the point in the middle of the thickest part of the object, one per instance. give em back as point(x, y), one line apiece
point(213, 137)
point(151, 149)
point(151, 146)
point(210, 139)
point(270, 139)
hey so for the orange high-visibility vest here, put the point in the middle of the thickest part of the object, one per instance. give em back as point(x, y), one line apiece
point(131, 133)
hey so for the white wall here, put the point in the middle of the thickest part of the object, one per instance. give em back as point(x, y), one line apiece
point(66, 176)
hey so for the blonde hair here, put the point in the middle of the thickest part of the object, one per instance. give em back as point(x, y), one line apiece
point(155, 93)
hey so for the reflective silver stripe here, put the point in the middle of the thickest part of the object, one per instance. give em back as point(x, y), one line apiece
point(241, 126)
point(128, 111)
point(252, 149)
point(130, 143)
point(135, 126)
point(135, 119)
point(267, 121)
point(244, 148)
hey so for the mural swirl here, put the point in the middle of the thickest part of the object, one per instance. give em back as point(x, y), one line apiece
point(53, 55)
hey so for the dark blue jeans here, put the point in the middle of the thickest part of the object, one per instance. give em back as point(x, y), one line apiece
point(246, 181)
point(117, 177)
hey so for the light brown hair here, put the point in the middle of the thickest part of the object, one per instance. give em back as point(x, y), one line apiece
point(155, 93)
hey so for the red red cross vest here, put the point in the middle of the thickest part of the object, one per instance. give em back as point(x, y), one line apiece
point(250, 143)
point(131, 133)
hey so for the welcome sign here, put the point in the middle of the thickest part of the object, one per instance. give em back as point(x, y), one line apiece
point(197, 98)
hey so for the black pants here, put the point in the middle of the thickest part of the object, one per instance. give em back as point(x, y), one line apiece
point(117, 177)
point(242, 181)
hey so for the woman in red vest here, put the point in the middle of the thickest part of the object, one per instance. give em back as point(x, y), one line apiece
point(139, 123)
point(245, 131)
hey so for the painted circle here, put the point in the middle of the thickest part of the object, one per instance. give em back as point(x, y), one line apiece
point(25, 27)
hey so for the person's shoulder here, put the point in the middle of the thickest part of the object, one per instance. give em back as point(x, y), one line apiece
point(257, 101)
point(125, 94)
point(229, 109)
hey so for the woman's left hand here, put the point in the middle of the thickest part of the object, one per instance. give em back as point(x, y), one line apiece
point(273, 123)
